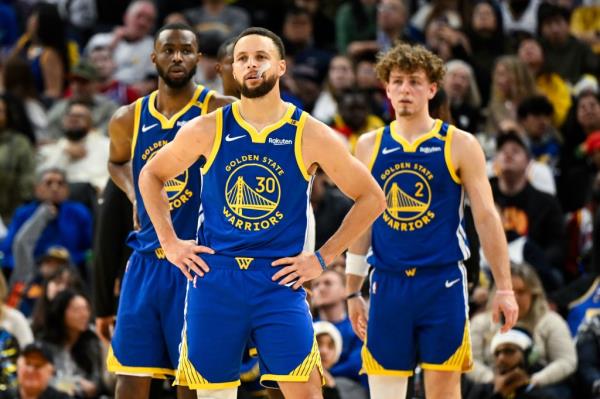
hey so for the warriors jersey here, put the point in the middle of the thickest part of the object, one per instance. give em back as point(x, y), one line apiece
point(423, 222)
point(257, 189)
point(151, 132)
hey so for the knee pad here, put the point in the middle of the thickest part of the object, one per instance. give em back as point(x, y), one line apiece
point(229, 393)
point(388, 386)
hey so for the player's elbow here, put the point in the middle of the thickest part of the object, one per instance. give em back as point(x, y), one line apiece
point(379, 202)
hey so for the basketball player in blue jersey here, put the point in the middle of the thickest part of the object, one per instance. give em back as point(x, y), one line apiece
point(150, 313)
point(261, 154)
point(418, 304)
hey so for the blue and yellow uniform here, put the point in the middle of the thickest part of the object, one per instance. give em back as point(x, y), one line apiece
point(150, 314)
point(418, 310)
point(256, 191)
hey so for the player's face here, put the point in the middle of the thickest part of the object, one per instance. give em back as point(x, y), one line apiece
point(409, 92)
point(176, 57)
point(257, 65)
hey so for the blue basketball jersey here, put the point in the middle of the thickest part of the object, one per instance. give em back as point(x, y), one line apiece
point(423, 222)
point(256, 188)
point(152, 131)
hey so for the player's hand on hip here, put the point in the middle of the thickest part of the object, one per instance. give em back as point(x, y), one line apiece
point(183, 254)
point(299, 269)
point(357, 312)
point(505, 303)
point(104, 328)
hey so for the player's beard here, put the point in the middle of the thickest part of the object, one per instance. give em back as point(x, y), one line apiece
point(176, 83)
point(260, 90)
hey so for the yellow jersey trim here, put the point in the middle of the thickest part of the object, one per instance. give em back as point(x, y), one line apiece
point(256, 136)
point(585, 296)
point(372, 366)
point(376, 146)
point(461, 360)
point(169, 123)
point(114, 366)
point(412, 147)
point(137, 114)
point(252, 352)
point(303, 371)
point(216, 142)
point(298, 146)
point(204, 104)
point(448, 154)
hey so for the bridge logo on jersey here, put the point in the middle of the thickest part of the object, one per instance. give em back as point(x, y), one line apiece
point(176, 188)
point(252, 193)
point(408, 196)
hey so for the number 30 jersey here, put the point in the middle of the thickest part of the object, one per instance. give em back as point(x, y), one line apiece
point(256, 189)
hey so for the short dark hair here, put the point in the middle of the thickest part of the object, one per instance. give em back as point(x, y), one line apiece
point(548, 11)
point(176, 26)
point(225, 49)
point(294, 11)
point(535, 105)
point(262, 32)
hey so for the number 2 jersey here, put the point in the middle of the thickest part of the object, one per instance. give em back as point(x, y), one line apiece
point(423, 222)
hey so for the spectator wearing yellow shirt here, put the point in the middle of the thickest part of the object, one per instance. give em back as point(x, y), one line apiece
point(585, 25)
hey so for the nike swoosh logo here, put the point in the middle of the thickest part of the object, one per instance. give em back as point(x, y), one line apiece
point(229, 138)
point(386, 150)
point(451, 283)
point(146, 128)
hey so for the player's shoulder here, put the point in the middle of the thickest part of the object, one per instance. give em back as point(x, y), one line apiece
point(123, 120)
point(218, 100)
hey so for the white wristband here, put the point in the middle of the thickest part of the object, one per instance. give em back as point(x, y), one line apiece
point(356, 264)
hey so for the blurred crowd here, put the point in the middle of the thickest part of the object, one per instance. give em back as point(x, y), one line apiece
point(522, 76)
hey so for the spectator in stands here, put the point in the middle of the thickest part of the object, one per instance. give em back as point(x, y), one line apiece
point(520, 15)
point(9, 27)
point(511, 83)
point(329, 304)
point(131, 44)
point(444, 39)
point(465, 102)
point(588, 353)
point(69, 224)
point(45, 46)
point(340, 77)
point(535, 116)
point(512, 370)
point(551, 337)
point(119, 92)
point(525, 211)
point(35, 369)
point(82, 152)
point(559, 45)
point(16, 165)
point(348, 16)
point(392, 24)
point(585, 24)
point(76, 348)
point(11, 320)
point(547, 82)
point(18, 83)
point(323, 25)
point(84, 88)
point(486, 38)
point(217, 15)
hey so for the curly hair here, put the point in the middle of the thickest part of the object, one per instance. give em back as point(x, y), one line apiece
point(409, 58)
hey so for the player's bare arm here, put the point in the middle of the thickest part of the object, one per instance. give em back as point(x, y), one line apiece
point(120, 130)
point(356, 263)
point(322, 148)
point(219, 100)
point(193, 140)
point(469, 159)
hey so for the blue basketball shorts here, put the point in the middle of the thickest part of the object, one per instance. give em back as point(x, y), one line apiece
point(418, 316)
point(237, 301)
point(149, 318)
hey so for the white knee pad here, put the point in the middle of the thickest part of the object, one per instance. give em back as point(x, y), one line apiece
point(229, 393)
point(388, 386)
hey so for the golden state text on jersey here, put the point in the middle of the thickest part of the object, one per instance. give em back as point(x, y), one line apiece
point(257, 187)
point(152, 131)
point(423, 222)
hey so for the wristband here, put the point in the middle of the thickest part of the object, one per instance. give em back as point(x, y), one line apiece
point(321, 260)
point(505, 292)
point(356, 264)
point(354, 295)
